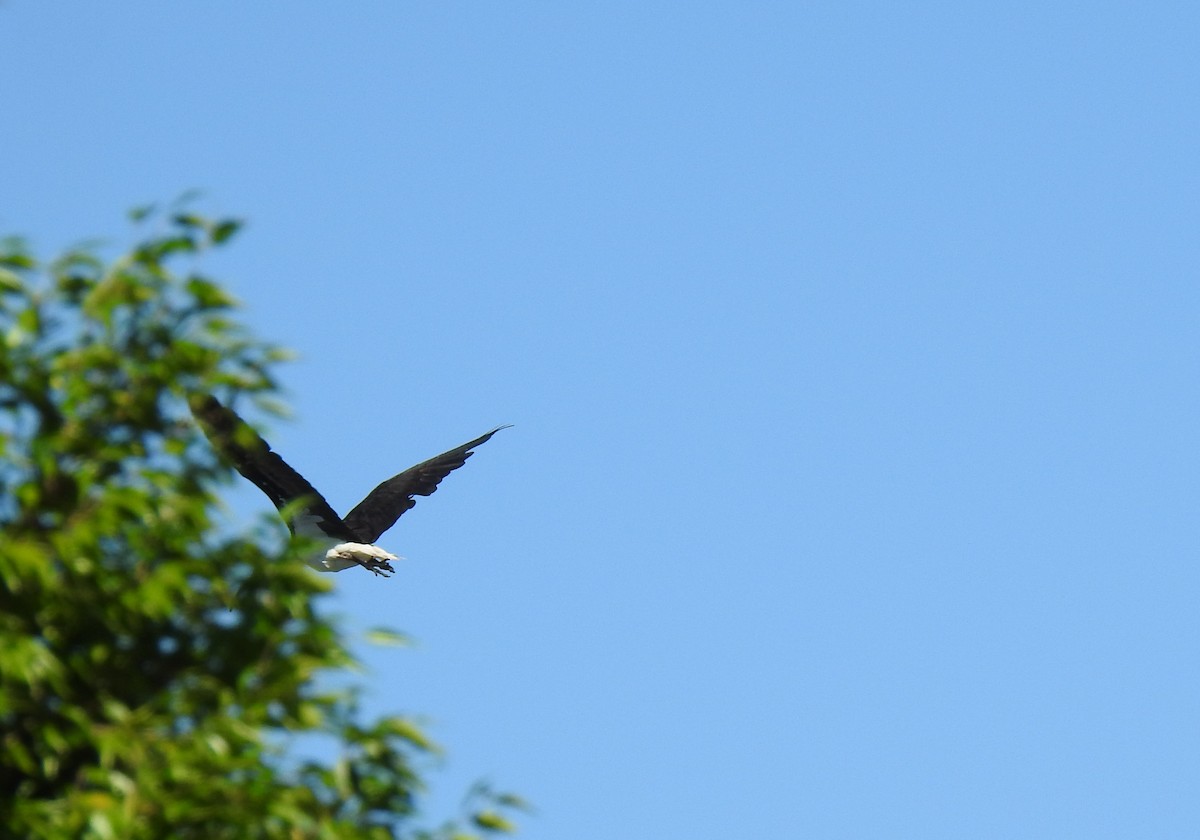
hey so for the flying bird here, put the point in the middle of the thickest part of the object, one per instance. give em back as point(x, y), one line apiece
point(344, 541)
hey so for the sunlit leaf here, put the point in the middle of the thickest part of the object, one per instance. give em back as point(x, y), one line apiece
point(208, 295)
point(387, 638)
point(14, 255)
point(493, 821)
point(10, 281)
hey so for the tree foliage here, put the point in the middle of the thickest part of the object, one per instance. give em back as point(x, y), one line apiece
point(154, 672)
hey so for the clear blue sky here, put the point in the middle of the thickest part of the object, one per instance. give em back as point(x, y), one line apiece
point(852, 352)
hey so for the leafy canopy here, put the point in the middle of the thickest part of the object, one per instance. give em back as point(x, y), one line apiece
point(154, 671)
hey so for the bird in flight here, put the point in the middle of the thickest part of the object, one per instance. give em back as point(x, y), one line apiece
point(344, 541)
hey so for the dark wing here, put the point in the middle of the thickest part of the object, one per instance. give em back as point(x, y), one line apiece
point(253, 458)
point(384, 505)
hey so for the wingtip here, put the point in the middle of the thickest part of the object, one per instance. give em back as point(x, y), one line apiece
point(488, 436)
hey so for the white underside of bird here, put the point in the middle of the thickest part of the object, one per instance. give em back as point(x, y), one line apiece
point(333, 555)
point(345, 555)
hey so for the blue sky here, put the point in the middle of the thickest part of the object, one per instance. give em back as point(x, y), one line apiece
point(851, 350)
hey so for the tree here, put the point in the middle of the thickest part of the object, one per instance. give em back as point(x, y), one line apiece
point(154, 671)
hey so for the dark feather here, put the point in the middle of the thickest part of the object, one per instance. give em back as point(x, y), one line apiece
point(388, 502)
point(253, 458)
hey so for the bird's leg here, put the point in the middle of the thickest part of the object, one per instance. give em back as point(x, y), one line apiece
point(379, 567)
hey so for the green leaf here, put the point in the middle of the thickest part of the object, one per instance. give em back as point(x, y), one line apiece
point(190, 220)
point(30, 321)
point(493, 821)
point(142, 212)
point(101, 826)
point(511, 800)
point(10, 281)
point(385, 637)
point(208, 295)
point(171, 245)
point(224, 230)
point(13, 254)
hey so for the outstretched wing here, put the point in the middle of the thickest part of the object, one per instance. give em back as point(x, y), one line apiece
point(384, 505)
point(253, 458)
